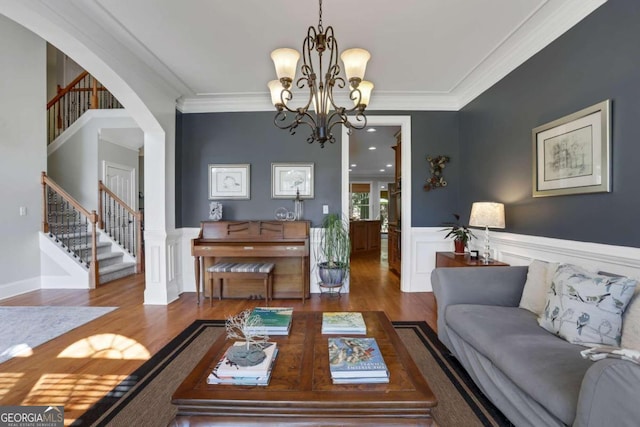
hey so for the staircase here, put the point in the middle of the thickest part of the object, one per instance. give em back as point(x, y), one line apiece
point(71, 235)
point(106, 254)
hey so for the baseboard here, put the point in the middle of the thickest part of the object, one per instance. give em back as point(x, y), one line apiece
point(8, 290)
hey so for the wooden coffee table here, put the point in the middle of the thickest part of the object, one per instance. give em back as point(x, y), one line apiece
point(300, 390)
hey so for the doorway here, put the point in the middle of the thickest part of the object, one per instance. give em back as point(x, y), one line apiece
point(404, 122)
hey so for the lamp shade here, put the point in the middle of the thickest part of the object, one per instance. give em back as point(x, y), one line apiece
point(355, 62)
point(365, 91)
point(285, 61)
point(275, 88)
point(487, 214)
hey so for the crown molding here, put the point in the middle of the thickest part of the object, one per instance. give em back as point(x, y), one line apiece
point(544, 25)
point(541, 28)
point(238, 102)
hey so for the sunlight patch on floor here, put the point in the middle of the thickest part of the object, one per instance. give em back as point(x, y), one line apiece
point(7, 381)
point(18, 350)
point(74, 392)
point(106, 346)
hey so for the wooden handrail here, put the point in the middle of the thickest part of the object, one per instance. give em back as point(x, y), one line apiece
point(102, 187)
point(67, 89)
point(139, 216)
point(92, 217)
point(48, 181)
point(82, 94)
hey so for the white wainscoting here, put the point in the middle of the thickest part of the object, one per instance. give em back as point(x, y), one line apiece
point(515, 249)
point(520, 249)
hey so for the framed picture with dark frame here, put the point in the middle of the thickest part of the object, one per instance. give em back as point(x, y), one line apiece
point(289, 178)
point(571, 155)
point(229, 181)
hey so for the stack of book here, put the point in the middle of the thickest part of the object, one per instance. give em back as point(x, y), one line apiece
point(347, 322)
point(356, 361)
point(275, 320)
point(227, 372)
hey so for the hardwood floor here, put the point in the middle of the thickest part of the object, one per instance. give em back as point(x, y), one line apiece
point(106, 350)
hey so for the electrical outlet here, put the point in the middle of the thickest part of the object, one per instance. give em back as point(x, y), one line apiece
point(325, 209)
point(23, 211)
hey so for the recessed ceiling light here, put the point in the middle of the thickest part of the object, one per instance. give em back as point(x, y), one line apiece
point(371, 130)
point(349, 170)
point(382, 186)
point(353, 165)
point(372, 148)
point(389, 165)
point(381, 170)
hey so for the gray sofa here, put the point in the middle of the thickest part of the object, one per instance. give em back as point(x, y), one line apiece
point(534, 377)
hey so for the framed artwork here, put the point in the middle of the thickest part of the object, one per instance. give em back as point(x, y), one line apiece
point(288, 178)
point(229, 181)
point(571, 155)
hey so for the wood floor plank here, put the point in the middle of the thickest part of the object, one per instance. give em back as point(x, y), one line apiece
point(114, 345)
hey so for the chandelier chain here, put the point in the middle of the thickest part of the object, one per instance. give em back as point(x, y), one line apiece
point(320, 29)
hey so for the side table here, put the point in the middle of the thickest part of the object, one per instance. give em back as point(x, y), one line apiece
point(450, 259)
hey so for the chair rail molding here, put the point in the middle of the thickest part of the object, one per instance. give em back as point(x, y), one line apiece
point(521, 249)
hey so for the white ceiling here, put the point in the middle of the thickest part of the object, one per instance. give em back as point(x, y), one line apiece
point(213, 55)
point(426, 54)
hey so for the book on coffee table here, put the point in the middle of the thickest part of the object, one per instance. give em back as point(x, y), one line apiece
point(343, 322)
point(216, 378)
point(226, 368)
point(275, 320)
point(360, 380)
point(356, 358)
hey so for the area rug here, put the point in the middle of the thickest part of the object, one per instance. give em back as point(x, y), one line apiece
point(24, 328)
point(146, 394)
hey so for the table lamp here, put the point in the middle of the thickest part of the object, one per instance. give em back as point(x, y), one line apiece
point(487, 215)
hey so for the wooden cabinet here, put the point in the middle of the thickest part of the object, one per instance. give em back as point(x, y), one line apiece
point(395, 213)
point(394, 248)
point(365, 236)
point(450, 259)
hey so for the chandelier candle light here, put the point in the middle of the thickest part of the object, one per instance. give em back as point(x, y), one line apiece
point(320, 84)
point(487, 215)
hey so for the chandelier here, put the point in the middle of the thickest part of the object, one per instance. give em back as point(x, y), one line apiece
point(320, 85)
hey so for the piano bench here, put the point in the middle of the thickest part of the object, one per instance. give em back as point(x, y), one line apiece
point(240, 270)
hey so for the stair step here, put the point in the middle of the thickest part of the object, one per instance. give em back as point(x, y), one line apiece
point(116, 271)
point(109, 258)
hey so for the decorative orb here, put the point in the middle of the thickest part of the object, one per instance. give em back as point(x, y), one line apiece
point(281, 214)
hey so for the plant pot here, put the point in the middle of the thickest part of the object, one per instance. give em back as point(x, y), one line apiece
point(332, 275)
point(459, 246)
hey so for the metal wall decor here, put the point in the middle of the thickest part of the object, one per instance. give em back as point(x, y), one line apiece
point(321, 82)
point(436, 165)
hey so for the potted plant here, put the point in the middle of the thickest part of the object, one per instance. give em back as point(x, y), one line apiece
point(333, 250)
point(461, 234)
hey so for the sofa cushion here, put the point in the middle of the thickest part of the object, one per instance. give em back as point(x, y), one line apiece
point(631, 323)
point(539, 277)
point(547, 368)
point(586, 308)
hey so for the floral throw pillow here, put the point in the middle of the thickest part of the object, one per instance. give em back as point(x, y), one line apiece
point(586, 308)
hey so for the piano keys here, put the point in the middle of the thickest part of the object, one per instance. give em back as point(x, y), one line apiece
point(284, 243)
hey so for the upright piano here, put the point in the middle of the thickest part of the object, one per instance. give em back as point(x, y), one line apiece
point(284, 243)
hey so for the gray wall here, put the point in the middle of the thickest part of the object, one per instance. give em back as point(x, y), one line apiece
point(596, 60)
point(23, 155)
point(206, 138)
point(252, 138)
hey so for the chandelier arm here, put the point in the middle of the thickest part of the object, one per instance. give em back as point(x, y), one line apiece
point(320, 84)
point(301, 117)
